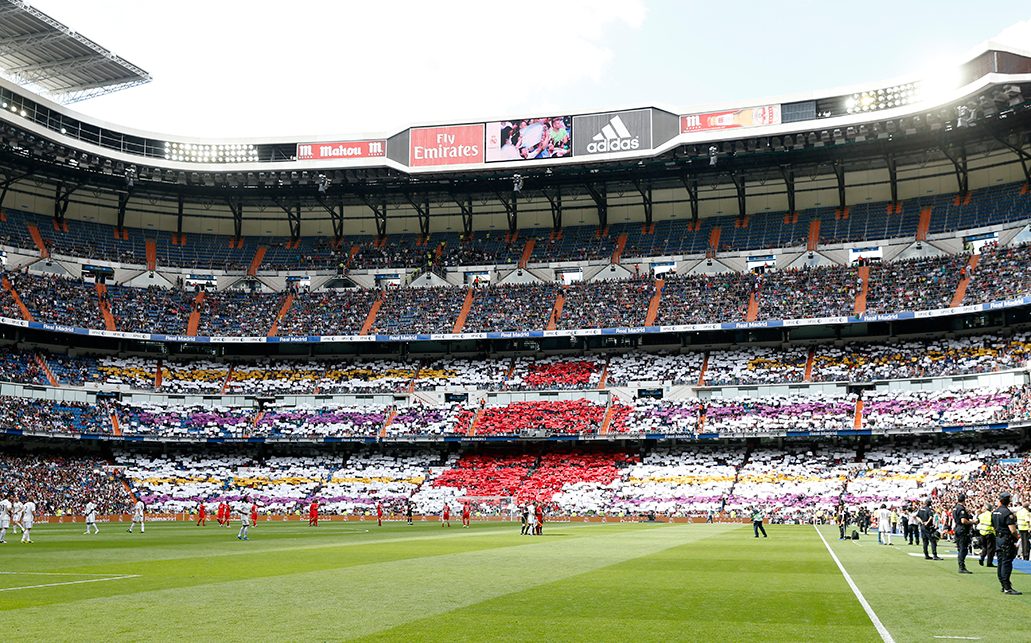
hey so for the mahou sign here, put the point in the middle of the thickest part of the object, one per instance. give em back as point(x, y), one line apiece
point(341, 150)
point(449, 145)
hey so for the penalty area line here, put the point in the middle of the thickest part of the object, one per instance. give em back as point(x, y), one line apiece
point(68, 582)
point(883, 631)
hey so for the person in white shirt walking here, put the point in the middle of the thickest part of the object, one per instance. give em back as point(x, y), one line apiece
point(28, 515)
point(884, 525)
point(5, 518)
point(245, 520)
point(137, 517)
point(91, 518)
point(16, 515)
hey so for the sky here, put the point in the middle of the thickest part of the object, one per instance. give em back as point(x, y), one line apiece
point(344, 69)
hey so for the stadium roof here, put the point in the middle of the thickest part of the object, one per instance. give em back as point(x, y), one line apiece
point(44, 55)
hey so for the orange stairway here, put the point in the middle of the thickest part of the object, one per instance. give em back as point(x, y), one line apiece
point(355, 249)
point(42, 363)
point(705, 366)
point(753, 308)
point(961, 287)
point(152, 254)
point(116, 426)
point(653, 304)
point(229, 378)
point(259, 256)
point(857, 423)
point(193, 324)
point(924, 225)
point(604, 430)
point(283, 310)
point(809, 365)
point(476, 420)
point(159, 375)
point(527, 252)
point(814, 235)
point(466, 306)
point(9, 287)
point(370, 319)
point(714, 239)
point(617, 252)
point(105, 307)
point(387, 422)
point(604, 379)
point(37, 238)
point(864, 290)
point(556, 311)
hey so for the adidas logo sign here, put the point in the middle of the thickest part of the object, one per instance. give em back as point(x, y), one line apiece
point(614, 137)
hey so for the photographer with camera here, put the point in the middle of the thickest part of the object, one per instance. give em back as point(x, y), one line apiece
point(962, 523)
point(1004, 522)
point(928, 530)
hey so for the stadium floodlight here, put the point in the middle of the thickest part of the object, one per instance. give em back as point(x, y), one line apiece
point(713, 152)
point(937, 88)
point(517, 182)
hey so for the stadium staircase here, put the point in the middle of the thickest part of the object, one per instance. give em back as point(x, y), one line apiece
point(387, 422)
point(864, 290)
point(753, 308)
point(737, 470)
point(43, 366)
point(116, 426)
point(370, 319)
point(714, 241)
point(556, 311)
point(288, 302)
point(705, 366)
point(225, 382)
point(509, 373)
point(259, 256)
point(604, 379)
point(464, 313)
point(924, 225)
point(527, 252)
point(607, 420)
point(961, 287)
point(355, 249)
point(814, 234)
point(105, 307)
point(152, 254)
point(37, 238)
point(476, 420)
point(653, 305)
point(857, 423)
point(9, 287)
point(158, 375)
point(193, 324)
point(809, 365)
point(617, 252)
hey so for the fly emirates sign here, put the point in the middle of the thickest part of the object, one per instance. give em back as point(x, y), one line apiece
point(450, 145)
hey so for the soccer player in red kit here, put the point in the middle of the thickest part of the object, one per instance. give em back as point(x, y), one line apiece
point(202, 514)
point(539, 514)
point(445, 518)
point(223, 513)
point(313, 514)
point(465, 514)
point(254, 514)
point(379, 514)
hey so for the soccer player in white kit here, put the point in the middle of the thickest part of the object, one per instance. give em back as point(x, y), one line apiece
point(91, 517)
point(16, 515)
point(884, 525)
point(5, 518)
point(137, 517)
point(245, 520)
point(28, 514)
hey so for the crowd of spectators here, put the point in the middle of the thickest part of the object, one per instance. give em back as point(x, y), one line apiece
point(48, 416)
point(420, 310)
point(806, 293)
point(511, 307)
point(705, 298)
point(914, 284)
point(328, 312)
point(1002, 273)
point(150, 310)
point(239, 312)
point(62, 485)
point(606, 304)
point(56, 299)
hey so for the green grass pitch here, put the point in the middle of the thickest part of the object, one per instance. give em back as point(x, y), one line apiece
point(578, 582)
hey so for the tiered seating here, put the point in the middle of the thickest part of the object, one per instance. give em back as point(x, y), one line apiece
point(606, 304)
point(562, 417)
point(28, 414)
point(674, 481)
point(556, 373)
point(369, 478)
point(308, 422)
point(1001, 274)
point(63, 485)
point(235, 312)
point(825, 291)
point(150, 310)
point(421, 420)
point(795, 482)
point(420, 310)
point(780, 413)
point(914, 284)
point(680, 368)
point(515, 307)
point(904, 409)
point(55, 299)
point(756, 365)
point(698, 299)
point(672, 417)
point(328, 312)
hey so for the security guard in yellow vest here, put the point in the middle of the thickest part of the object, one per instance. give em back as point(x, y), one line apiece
point(1024, 528)
point(984, 527)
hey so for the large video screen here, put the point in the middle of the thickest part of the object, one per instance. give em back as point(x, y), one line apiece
point(528, 139)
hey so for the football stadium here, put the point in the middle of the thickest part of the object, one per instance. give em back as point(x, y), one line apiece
point(759, 371)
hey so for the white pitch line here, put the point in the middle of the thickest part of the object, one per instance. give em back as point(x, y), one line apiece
point(68, 582)
point(59, 574)
point(878, 625)
point(960, 638)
